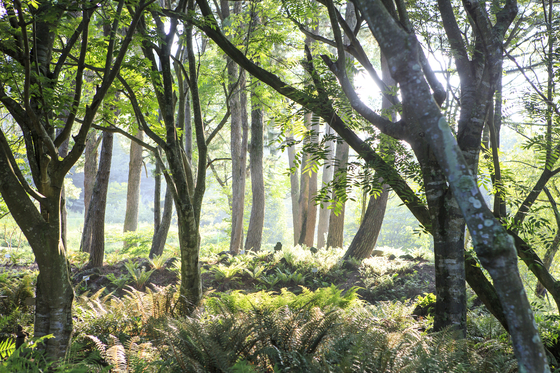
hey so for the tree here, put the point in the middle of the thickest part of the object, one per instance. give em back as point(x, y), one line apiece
point(364, 241)
point(36, 53)
point(335, 236)
point(186, 183)
point(326, 178)
point(447, 169)
point(161, 222)
point(90, 169)
point(256, 221)
point(133, 187)
point(93, 236)
point(239, 131)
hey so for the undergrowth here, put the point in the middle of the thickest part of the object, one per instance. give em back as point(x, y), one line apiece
point(299, 324)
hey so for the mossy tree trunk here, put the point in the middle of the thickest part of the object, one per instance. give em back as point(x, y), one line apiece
point(34, 51)
point(424, 126)
point(186, 183)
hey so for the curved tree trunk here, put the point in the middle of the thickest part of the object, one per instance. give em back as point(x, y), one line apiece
point(133, 187)
point(365, 239)
point(256, 221)
point(160, 234)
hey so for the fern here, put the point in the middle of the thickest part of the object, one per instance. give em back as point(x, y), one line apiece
point(7, 347)
point(128, 357)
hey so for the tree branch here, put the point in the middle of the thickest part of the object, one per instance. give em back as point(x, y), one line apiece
point(65, 133)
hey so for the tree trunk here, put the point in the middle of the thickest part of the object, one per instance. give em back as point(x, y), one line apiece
point(90, 171)
point(256, 222)
point(187, 134)
point(484, 289)
point(53, 298)
point(324, 212)
point(427, 128)
point(335, 237)
point(63, 152)
point(366, 237)
point(238, 152)
point(133, 187)
point(160, 234)
point(548, 258)
point(294, 189)
point(94, 226)
point(308, 188)
point(305, 179)
point(157, 197)
point(451, 296)
point(494, 247)
point(54, 295)
point(191, 282)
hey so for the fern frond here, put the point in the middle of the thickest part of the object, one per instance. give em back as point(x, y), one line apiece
point(99, 346)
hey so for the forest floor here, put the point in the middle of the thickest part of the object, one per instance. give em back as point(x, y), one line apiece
point(379, 278)
point(374, 314)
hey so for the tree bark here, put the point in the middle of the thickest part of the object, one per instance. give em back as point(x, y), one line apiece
point(308, 188)
point(63, 152)
point(422, 119)
point(365, 239)
point(256, 221)
point(335, 237)
point(484, 290)
point(160, 235)
point(236, 83)
point(324, 212)
point(90, 168)
point(94, 227)
point(157, 197)
point(133, 187)
point(294, 189)
point(494, 247)
point(188, 132)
